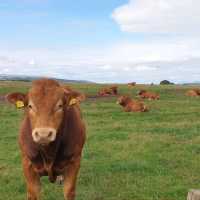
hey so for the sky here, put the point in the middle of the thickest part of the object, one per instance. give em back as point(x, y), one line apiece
point(105, 41)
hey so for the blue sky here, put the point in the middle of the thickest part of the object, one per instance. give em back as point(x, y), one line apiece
point(103, 41)
point(58, 23)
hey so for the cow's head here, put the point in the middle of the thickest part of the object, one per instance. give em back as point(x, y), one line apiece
point(45, 104)
point(197, 91)
point(114, 89)
point(141, 92)
point(132, 84)
point(123, 100)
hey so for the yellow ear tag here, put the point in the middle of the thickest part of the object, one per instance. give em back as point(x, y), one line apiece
point(73, 102)
point(19, 104)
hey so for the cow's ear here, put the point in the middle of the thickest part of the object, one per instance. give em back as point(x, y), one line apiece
point(18, 99)
point(74, 97)
point(67, 88)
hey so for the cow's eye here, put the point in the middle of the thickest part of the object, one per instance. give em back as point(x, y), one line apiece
point(31, 107)
point(59, 107)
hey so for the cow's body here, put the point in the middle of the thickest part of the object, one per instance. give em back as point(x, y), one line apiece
point(51, 160)
point(105, 92)
point(130, 85)
point(130, 105)
point(112, 90)
point(59, 157)
point(148, 95)
point(193, 93)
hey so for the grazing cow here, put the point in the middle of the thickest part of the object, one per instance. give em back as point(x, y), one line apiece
point(107, 91)
point(130, 105)
point(148, 95)
point(52, 136)
point(193, 93)
point(131, 85)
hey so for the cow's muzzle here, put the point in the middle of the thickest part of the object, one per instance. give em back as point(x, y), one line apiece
point(44, 136)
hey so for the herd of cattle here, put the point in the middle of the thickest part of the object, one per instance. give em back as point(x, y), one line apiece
point(129, 104)
point(52, 133)
point(134, 105)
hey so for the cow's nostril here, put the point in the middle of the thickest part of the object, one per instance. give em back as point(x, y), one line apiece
point(50, 134)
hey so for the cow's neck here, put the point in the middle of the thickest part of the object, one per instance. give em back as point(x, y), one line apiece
point(48, 153)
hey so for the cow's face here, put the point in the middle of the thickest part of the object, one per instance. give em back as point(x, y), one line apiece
point(141, 92)
point(45, 104)
point(122, 100)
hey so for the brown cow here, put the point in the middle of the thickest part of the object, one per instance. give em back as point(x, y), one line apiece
point(114, 89)
point(131, 85)
point(148, 95)
point(52, 136)
point(106, 91)
point(193, 93)
point(130, 105)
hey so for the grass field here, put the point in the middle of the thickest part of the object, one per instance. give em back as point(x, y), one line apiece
point(128, 156)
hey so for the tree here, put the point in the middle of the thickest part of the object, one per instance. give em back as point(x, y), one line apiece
point(166, 82)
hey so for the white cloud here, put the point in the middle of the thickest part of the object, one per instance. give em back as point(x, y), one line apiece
point(106, 67)
point(127, 68)
point(176, 59)
point(32, 62)
point(174, 56)
point(155, 50)
point(159, 16)
point(144, 68)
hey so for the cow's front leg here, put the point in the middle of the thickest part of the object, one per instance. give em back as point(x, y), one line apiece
point(70, 176)
point(127, 109)
point(32, 180)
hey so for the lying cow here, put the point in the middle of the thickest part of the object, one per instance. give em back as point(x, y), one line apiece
point(52, 136)
point(112, 90)
point(193, 93)
point(148, 95)
point(130, 105)
point(131, 85)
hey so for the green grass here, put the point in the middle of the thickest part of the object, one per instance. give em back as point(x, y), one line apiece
point(128, 156)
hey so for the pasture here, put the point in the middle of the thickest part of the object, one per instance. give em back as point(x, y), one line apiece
point(128, 156)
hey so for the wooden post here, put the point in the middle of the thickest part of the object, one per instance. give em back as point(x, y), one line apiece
point(193, 195)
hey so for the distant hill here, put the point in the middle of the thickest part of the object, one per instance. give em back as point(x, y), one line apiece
point(25, 78)
point(195, 83)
